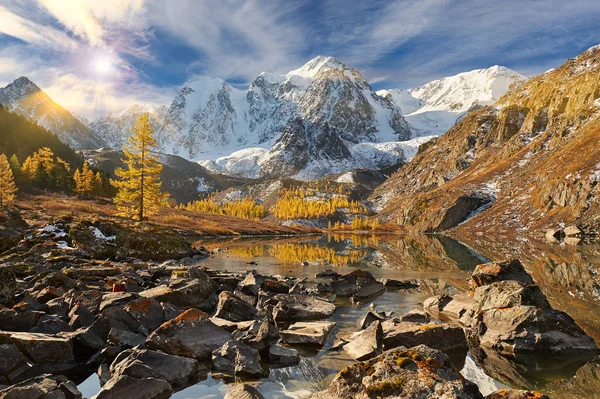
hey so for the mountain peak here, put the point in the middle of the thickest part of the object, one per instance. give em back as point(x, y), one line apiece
point(22, 86)
point(316, 65)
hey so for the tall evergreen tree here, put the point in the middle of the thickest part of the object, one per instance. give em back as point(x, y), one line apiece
point(139, 187)
point(8, 188)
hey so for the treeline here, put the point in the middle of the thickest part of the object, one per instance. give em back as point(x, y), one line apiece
point(306, 203)
point(37, 159)
point(245, 208)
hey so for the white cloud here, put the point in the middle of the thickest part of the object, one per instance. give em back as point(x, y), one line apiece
point(13, 25)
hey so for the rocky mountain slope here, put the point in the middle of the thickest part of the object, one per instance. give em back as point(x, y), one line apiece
point(114, 130)
point(530, 161)
point(25, 98)
point(435, 107)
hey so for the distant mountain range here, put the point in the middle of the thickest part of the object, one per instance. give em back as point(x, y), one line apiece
point(322, 118)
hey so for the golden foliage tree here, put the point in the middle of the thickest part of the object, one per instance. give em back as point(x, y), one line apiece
point(7, 182)
point(44, 170)
point(84, 180)
point(139, 187)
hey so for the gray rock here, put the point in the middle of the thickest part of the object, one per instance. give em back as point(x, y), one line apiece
point(13, 362)
point(369, 290)
point(146, 311)
point(243, 391)
point(370, 318)
point(12, 320)
point(444, 337)
point(7, 284)
point(237, 359)
point(488, 273)
point(233, 308)
point(300, 307)
point(418, 372)
point(142, 363)
point(48, 324)
point(196, 292)
point(49, 353)
point(367, 343)
point(415, 316)
point(282, 356)
point(351, 283)
point(124, 338)
point(44, 386)
point(190, 334)
point(265, 335)
point(314, 333)
point(447, 308)
point(133, 388)
point(80, 316)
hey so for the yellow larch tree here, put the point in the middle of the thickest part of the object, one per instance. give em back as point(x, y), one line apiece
point(139, 187)
point(7, 182)
point(84, 180)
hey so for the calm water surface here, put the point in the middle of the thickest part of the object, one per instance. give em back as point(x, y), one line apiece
point(568, 275)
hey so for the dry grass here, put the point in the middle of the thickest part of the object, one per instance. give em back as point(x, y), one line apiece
point(40, 209)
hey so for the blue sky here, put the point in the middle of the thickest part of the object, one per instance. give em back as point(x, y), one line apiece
point(99, 56)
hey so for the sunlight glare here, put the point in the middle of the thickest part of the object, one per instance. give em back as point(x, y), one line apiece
point(103, 65)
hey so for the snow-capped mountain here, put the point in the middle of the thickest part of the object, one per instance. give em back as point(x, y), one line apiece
point(300, 124)
point(25, 98)
point(115, 129)
point(434, 108)
point(319, 119)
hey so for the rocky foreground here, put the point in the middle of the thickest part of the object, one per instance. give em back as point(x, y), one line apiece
point(76, 298)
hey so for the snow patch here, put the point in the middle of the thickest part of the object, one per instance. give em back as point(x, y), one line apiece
point(100, 236)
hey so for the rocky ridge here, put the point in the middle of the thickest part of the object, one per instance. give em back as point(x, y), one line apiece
point(528, 162)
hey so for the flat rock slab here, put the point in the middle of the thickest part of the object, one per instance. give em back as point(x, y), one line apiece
point(48, 352)
point(190, 334)
point(243, 391)
point(93, 271)
point(444, 337)
point(178, 371)
point(314, 333)
point(300, 307)
point(134, 388)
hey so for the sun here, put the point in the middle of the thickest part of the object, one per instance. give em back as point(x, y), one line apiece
point(103, 65)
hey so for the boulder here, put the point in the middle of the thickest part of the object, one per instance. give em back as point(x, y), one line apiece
point(528, 329)
point(251, 283)
point(444, 337)
point(124, 338)
point(80, 316)
point(143, 363)
point(12, 229)
point(370, 318)
point(314, 333)
point(45, 386)
point(328, 274)
point(506, 294)
point(237, 359)
point(233, 308)
point(282, 356)
point(351, 283)
point(190, 334)
point(447, 308)
point(13, 320)
point(48, 324)
point(397, 284)
point(415, 316)
point(488, 273)
point(54, 279)
point(49, 353)
point(275, 286)
point(366, 344)
point(195, 292)
point(265, 335)
point(243, 391)
point(419, 372)
point(13, 362)
point(133, 388)
point(369, 290)
point(288, 307)
point(8, 284)
point(146, 311)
